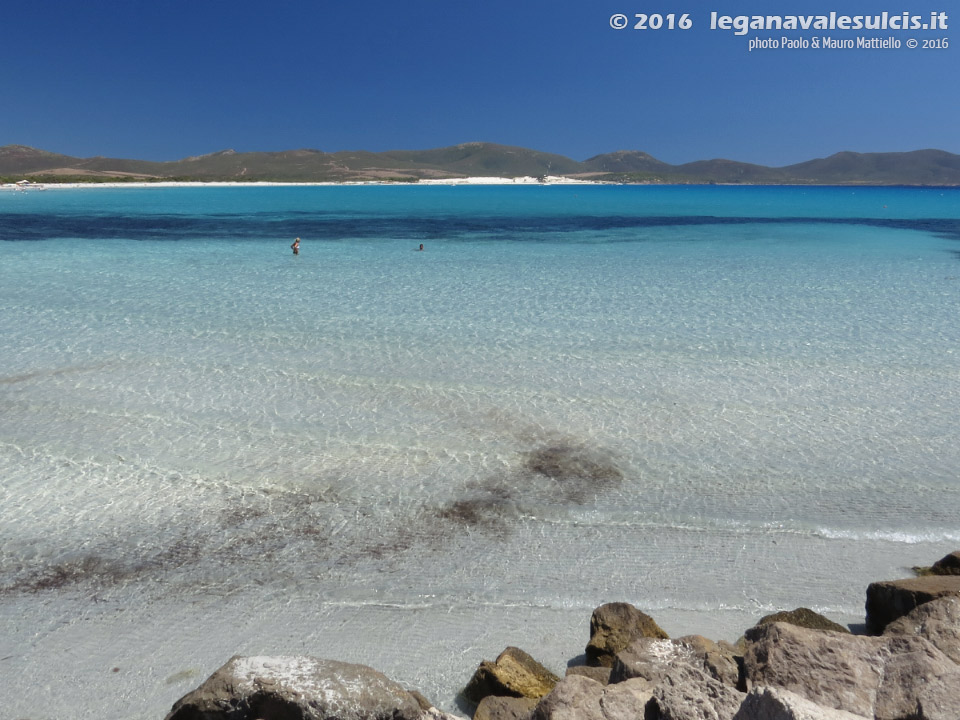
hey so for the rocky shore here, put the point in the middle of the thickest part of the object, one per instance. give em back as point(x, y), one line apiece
point(795, 665)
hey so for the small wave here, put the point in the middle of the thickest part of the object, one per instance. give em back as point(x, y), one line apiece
point(746, 527)
point(892, 536)
point(685, 525)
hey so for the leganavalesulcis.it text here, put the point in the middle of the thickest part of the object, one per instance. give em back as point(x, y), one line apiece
point(742, 24)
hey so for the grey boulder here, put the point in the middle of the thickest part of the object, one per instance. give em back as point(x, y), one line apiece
point(718, 660)
point(691, 696)
point(654, 659)
point(614, 626)
point(948, 564)
point(296, 688)
point(681, 684)
point(769, 703)
point(886, 678)
point(494, 707)
point(598, 673)
point(938, 621)
point(578, 697)
point(891, 599)
point(803, 617)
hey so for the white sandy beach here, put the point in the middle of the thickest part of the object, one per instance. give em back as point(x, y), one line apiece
point(526, 180)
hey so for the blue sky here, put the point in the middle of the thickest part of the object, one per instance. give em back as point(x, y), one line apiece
point(165, 79)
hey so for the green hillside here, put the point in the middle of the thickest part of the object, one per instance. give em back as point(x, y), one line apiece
point(921, 167)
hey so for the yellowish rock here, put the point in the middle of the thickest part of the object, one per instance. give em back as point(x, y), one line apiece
point(513, 674)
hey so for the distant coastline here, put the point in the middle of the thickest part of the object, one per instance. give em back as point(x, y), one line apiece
point(455, 182)
point(473, 163)
point(526, 180)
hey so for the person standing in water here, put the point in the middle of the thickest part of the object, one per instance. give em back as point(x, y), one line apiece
point(296, 246)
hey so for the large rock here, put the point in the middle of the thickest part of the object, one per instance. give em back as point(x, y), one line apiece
point(803, 617)
point(493, 707)
point(947, 565)
point(600, 674)
point(692, 696)
point(421, 700)
point(626, 700)
point(676, 673)
point(938, 621)
point(887, 678)
point(719, 661)
point(653, 659)
point(768, 703)
point(834, 670)
point(513, 674)
point(919, 683)
point(574, 698)
point(577, 697)
point(892, 599)
point(612, 627)
point(296, 688)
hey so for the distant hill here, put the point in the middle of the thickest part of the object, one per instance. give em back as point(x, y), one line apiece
point(920, 167)
point(488, 159)
point(728, 171)
point(627, 162)
point(20, 159)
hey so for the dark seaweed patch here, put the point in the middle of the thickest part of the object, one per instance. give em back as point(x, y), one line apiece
point(264, 526)
point(565, 474)
point(399, 543)
point(481, 513)
point(255, 528)
point(65, 574)
point(580, 473)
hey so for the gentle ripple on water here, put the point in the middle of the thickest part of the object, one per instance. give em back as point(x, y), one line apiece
point(209, 446)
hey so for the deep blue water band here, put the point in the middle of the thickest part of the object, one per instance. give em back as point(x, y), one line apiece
point(328, 226)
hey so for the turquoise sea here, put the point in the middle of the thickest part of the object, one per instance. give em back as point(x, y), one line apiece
point(711, 402)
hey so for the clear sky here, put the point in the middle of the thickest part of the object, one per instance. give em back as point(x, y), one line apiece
point(166, 79)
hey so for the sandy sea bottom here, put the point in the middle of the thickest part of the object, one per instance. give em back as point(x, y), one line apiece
point(412, 460)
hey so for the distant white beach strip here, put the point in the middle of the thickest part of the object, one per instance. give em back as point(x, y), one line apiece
point(526, 180)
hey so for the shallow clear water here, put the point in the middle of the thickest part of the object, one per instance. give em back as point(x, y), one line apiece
point(713, 403)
